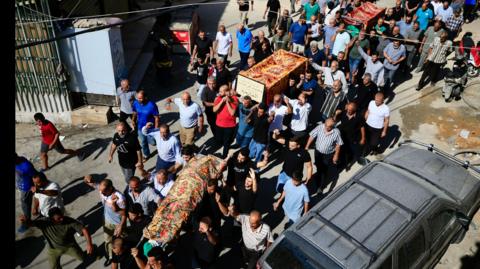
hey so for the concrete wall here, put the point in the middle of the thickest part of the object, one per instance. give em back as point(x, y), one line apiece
point(56, 108)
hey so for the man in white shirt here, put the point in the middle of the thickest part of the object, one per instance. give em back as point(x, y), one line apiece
point(162, 182)
point(314, 28)
point(298, 126)
point(223, 43)
point(331, 74)
point(47, 195)
point(340, 40)
point(377, 118)
point(168, 146)
point(278, 110)
point(256, 235)
point(330, 11)
point(115, 216)
point(191, 118)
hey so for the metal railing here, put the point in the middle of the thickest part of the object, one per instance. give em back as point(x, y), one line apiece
point(39, 87)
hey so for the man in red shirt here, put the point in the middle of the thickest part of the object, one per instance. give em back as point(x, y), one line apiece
point(50, 140)
point(225, 106)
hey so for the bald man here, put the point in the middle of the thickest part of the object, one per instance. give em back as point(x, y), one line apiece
point(244, 44)
point(129, 151)
point(256, 235)
point(377, 118)
point(144, 111)
point(327, 153)
point(352, 130)
point(191, 118)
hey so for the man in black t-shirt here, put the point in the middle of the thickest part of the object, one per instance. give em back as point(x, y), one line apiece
point(223, 75)
point(238, 167)
point(261, 122)
point(362, 93)
point(205, 241)
point(352, 130)
point(202, 47)
point(129, 151)
point(122, 257)
point(273, 8)
point(294, 158)
point(202, 73)
point(243, 7)
point(246, 194)
point(412, 6)
point(208, 98)
point(214, 204)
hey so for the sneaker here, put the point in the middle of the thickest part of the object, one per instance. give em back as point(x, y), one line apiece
point(107, 262)
point(22, 229)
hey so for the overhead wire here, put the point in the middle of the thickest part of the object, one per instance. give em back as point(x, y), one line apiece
point(167, 8)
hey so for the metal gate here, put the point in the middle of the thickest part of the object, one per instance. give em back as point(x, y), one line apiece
point(39, 87)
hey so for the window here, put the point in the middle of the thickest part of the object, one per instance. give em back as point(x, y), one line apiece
point(412, 250)
point(438, 223)
point(387, 264)
point(286, 255)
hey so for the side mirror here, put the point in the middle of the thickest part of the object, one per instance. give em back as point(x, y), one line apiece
point(463, 220)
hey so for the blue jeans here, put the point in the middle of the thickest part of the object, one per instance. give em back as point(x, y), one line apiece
point(281, 180)
point(388, 77)
point(353, 63)
point(161, 164)
point(243, 141)
point(256, 150)
point(144, 141)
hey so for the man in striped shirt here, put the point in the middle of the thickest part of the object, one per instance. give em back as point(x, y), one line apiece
point(437, 57)
point(327, 152)
point(256, 235)
point(334, 101)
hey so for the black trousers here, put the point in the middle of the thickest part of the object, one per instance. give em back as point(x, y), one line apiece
point(373, 139)
point(350, 151)
point(271, 21)
point(327, 171)
point(468, 11)
point(250, 257)
point(211, 118)
point(431, 71)
point(224, 136)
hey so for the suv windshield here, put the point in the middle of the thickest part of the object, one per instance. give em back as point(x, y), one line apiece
point(287, 255)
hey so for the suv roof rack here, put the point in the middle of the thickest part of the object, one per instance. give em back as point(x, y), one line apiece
point(432, 148)
point(412, 213)
point(449, 194)
point(373, 255)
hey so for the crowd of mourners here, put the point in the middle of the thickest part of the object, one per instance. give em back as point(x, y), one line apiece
point(337, 107)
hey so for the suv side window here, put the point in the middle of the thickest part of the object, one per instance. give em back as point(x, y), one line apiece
point(438, 222)
point(387, 264)
point(412, 250)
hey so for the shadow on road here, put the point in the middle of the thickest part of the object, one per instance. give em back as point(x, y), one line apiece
point(33, 244)
point(471, 261)
point(93, 218)
point(76, 188)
